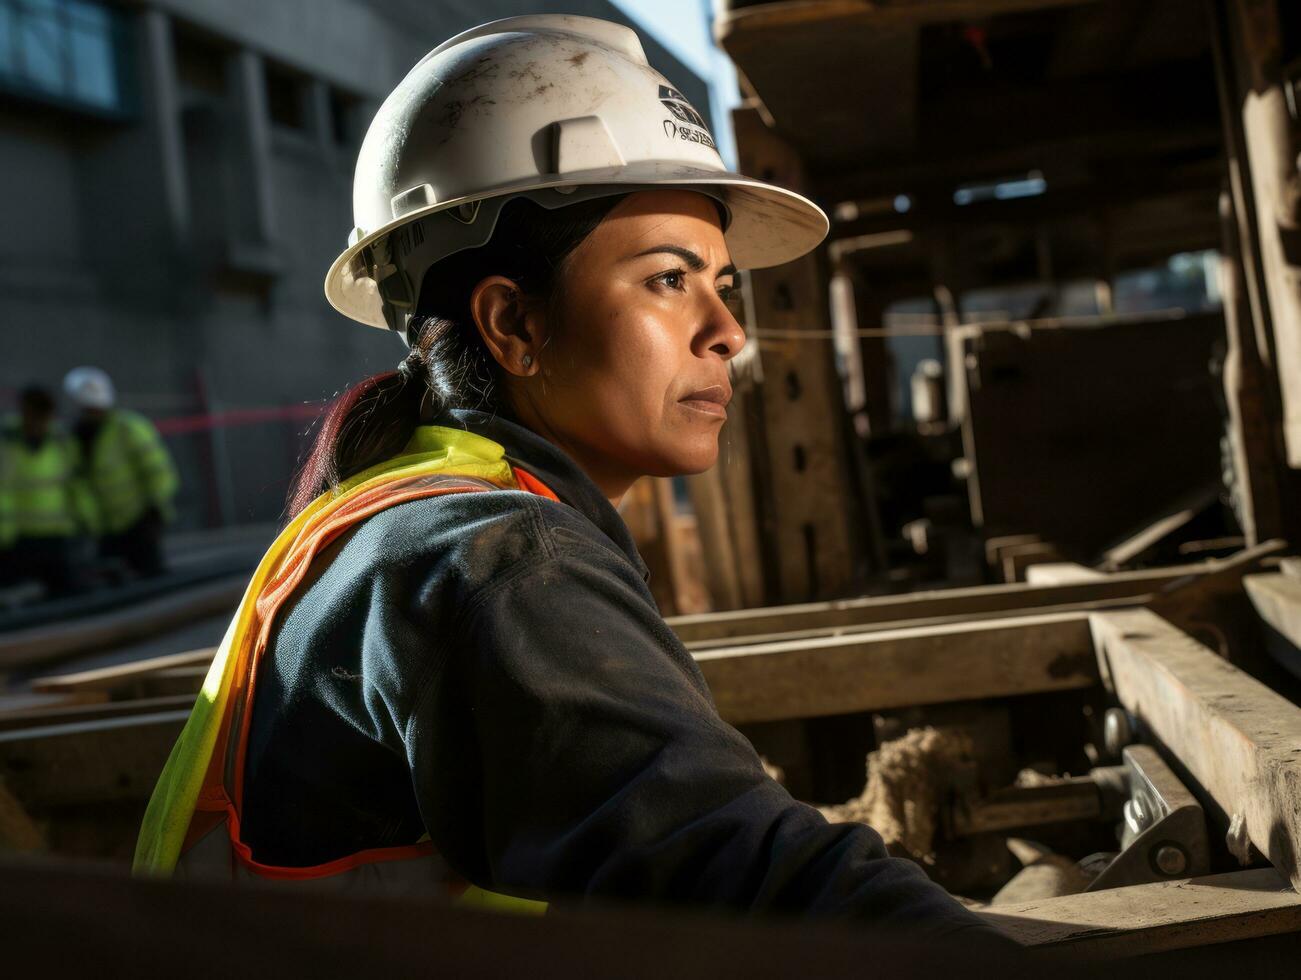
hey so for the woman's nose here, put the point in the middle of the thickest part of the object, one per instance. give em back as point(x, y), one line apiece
point(724, 336)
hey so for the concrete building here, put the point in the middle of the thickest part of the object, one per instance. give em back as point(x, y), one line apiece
point(176, 180)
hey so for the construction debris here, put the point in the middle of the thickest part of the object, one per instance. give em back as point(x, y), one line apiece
point(907, 779)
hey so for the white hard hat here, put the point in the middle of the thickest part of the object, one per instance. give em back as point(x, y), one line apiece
point(89, 387)
point(552, 107)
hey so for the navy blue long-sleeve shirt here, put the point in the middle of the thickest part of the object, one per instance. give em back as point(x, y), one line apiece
point(490, 668)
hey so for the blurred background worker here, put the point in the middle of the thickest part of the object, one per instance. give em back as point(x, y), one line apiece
point(45, 505)
point(130, 473)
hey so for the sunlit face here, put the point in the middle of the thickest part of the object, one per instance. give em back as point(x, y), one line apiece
point(633, 380)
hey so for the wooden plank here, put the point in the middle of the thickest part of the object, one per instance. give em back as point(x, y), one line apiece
point(88, 762)
point(900, 668)
point(761, 22)
point(957, 602)
point(1237, 739)
point(1029, 806)
point(1271, 152)
point(1168, 915)
point(1125, 602)
point(1277, 599)
point(715, 522)
point(122, 675)
point(736, 474)
point(22, 702)
point(45, 644)
point(1249, 387)
point(839, 613)
point(98, 711)
point(1062, 573)
point(684, 574)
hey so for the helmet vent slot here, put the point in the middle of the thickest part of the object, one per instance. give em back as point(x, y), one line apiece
point(584, 143)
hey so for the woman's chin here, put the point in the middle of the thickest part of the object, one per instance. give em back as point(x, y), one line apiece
point(688, 460)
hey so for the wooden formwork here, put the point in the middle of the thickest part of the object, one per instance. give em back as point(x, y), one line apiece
point(1236, 742)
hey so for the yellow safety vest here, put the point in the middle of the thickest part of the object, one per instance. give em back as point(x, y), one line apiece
point(192, 824)
point(43, 493)
point(129, 471)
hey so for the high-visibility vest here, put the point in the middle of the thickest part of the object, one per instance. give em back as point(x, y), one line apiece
point(192, 823)
point(129, 471)
point(43, 493)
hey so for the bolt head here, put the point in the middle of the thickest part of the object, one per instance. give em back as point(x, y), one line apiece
point(1171, 859)
point(1116, 731)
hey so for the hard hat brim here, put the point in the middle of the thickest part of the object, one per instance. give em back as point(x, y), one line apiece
point(769, 224)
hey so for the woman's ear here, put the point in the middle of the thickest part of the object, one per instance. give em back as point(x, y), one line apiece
point(510, 329)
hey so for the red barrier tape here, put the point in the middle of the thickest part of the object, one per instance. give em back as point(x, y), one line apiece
point(184, 424)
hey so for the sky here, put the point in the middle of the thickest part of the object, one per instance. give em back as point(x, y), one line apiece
point(683, 26)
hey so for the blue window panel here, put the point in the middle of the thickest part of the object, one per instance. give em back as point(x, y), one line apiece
point(94, 80)
point(40, 42)
point(67, 49)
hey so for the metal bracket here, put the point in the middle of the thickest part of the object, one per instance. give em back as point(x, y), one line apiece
point(1163, 831)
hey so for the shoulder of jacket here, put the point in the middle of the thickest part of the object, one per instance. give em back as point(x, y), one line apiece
point(493, 525)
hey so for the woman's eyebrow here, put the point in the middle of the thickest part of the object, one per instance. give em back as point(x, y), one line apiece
point(694, 262)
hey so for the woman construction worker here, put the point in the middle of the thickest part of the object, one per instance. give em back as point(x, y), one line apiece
point(448, 669)
point(130, 474)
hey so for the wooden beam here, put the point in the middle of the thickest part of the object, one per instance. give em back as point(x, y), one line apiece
point(1277, 599)
point(766, 19)
point(859, 629)
point(813, 528)
point(1260, 221)
point(99, 711)
point(22, 701)
point(1062, 573)
point(1168, 915)
point(88, 762)
point(1272, 165)
point(45, 644)
point(1011, 599)
point(120, 676)
point(1237, 739)
point(900, 668)
point(1017, 807)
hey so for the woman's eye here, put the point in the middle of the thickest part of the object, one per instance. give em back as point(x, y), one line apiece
point(672, 279)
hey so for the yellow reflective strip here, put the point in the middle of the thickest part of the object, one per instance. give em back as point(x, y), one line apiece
point(475, 897)
point(171, 807)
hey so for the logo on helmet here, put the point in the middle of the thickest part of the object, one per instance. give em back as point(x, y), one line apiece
point(677, 104)
point(690, 126)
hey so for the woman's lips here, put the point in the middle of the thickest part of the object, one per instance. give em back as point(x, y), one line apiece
point(709, 401)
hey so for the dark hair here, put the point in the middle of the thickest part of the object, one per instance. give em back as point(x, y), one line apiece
point(449, 366)
point(37, 400)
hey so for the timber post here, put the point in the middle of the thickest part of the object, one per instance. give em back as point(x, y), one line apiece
point(806, 464)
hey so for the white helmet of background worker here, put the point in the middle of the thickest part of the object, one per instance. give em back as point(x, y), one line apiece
point(90, 387)
point(552, 107)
